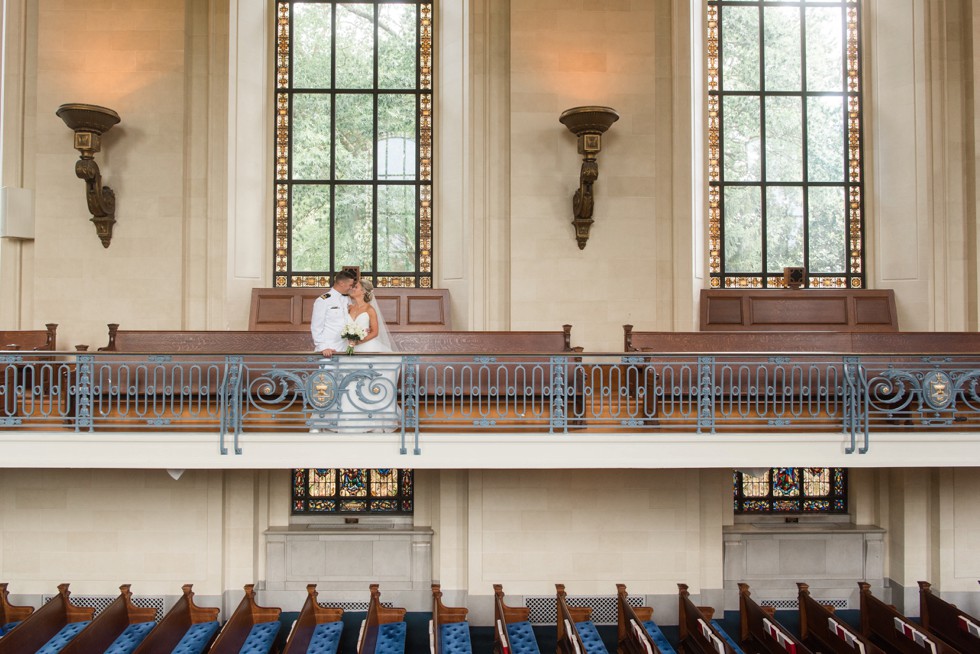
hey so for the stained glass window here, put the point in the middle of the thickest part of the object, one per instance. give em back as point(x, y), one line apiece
point(785, 180)
point(353, 155)
point(791, 490)
point(352, 490)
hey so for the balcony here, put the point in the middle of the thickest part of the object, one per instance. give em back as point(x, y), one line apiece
point(81, 409)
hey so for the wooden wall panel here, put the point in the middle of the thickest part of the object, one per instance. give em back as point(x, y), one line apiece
point(404, 309)
point(838, 310)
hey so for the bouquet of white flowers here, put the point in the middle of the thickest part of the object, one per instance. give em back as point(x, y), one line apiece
point(353, 334)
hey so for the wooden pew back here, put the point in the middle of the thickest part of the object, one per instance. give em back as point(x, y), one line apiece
point(697, 634)
point(248, 614)
point(957, 627)
point(41, 625)
point(310, 616)
point(631, 636)
point(761, 628)
point(13, 376)
point(30, 339)
point(377, 616)
point(181, 617)
point(8, 612)
point(884, 624)
point(568, 639)
point(442, 615)
point(504, 615)
point(147, 341)
point(110, 623)
point(817, 623)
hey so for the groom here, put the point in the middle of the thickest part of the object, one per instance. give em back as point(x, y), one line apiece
point(330, 314)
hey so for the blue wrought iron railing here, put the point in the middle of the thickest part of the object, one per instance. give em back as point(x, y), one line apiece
point(412, 394)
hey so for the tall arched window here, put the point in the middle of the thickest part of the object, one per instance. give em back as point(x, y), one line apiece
point(353, 171)
point(785, 175)
point(353, 142)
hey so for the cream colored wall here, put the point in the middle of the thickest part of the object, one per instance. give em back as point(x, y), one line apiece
point(919, 173)
point(150, 62)
point(594, 53)
point(101, 528)
point(959, 529)
point(529, 529)
point(933, 529)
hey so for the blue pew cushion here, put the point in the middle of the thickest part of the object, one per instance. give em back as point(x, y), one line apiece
point(590, 638)
point(658, 637)
point(326, 638)
point(521, 637)
point(63, 637)
point(260, 638)
point(4, 628)
point(391, 638)
point(132, 636)
point(454, 638)
point(196, 638)
point(724, 634)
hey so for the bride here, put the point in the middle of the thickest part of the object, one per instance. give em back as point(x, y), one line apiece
point(369, 402)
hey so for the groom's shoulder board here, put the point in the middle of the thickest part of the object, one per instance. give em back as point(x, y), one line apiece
point(325, 296)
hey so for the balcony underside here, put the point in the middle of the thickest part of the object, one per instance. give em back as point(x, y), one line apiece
point(482, 450)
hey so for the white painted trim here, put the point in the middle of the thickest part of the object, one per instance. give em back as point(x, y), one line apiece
point(483, 450)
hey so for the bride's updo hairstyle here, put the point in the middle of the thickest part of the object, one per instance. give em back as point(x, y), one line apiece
point(368, 290)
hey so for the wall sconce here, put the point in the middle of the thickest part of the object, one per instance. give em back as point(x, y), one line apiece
point(90, 122)
point(588, 124)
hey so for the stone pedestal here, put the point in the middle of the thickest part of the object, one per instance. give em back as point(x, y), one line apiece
point(830, 557)
point(344, 561)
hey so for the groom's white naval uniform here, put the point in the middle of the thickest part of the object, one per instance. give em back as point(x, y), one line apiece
point(329, 318)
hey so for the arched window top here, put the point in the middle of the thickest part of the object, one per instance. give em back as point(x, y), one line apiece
point(785, 179)
point(353, 155)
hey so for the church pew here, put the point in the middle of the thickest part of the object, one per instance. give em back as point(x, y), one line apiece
point(636, 632)
point(317, 628)
point(384, 630)
point(118, 629)
point(30, 339)
point(187, 628)
point(512, 632)
point(885, 625)
point(167, 374)
point(14, 377)
point(828, 633)
point(815, 376)
point(251, 628)
point(459, 380)
point(699, 633)
point(953, 625)
point(761, 632)
point(50, 627)
point(10, 615)
point(449, 631)
point(576, 632)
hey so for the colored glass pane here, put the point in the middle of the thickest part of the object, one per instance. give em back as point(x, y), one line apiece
point(352, 490)
point(785, 482)
point(791, 490)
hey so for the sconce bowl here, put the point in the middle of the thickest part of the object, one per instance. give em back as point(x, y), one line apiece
point(588, 120)
point(87, 117)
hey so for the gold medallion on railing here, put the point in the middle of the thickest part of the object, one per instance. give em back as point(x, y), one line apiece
point(321, 389)
point(938, 389)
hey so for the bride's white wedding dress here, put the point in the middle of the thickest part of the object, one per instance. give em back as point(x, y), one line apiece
point(369, 400)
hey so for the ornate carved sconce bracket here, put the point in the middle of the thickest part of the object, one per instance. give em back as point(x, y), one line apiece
point(90, 122)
